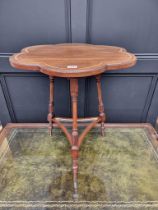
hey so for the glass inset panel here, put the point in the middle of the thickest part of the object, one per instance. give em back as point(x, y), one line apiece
point(119, 170)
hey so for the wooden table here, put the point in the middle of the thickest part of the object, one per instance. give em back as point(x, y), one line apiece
point(73, 61)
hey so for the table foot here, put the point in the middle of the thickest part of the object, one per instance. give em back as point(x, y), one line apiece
point(75, 180)
point(50, 130)
point(102, 129)
point(50, 127)
point(75, 154)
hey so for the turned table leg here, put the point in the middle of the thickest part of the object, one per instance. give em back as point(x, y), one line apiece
point(74, 138)
point(51, 104)
point(101, 105)
point(74, 147)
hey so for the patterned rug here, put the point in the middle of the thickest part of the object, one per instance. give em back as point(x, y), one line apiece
point(118, 171)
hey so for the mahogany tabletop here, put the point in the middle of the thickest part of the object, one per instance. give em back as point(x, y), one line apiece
point(72, 60)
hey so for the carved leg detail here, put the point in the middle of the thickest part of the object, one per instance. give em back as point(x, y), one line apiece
point(101, 105)
point(74, 148)
point(51, 104)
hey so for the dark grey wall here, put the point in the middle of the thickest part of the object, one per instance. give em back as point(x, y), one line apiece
point(129, 95)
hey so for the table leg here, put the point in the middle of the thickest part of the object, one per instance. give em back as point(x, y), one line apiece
point(51, 104)
point(101, 105)
point(74, 147)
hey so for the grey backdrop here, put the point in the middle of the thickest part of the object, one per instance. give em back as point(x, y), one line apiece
point(129, 95)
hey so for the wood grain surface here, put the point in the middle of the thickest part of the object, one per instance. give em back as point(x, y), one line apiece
point(72, 60)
